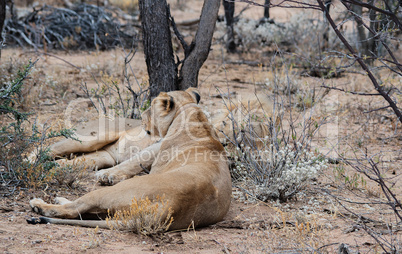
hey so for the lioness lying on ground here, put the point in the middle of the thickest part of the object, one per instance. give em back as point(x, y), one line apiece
point(103, 142)
point(117, 144)
point(106, 143)
point(111, 144)
point(190, 171)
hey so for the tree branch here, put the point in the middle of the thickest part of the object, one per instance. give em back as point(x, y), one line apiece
point(377, 109)
point(178, 34)
point(374, 8)
point(202, 43)
point(359, 19)
point(351, 92)
point(361, 62)
point(289, 4)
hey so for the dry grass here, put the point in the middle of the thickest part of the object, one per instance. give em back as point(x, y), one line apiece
point(144, 216)
point(126, 5)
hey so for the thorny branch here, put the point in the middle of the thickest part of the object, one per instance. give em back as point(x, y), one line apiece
point(364, 66)
point(359, 19)
point(294, 4)
point(373, 173)
point(351, 92)
point(369, 6)
point(179, 36)
point(382, 242)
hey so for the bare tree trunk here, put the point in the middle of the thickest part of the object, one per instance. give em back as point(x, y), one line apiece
point(158, 49)
point(202, 44)
point(266, 9)
point(229, 7)
point(374, 25)
point(162, 69)
point(325, 34)
point(2, 18)
point(361, 31)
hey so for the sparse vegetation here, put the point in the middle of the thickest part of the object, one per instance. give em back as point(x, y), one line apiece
point(334, 198)
point(17, 141)
point(83, 26)
point(115, 98)
point(281, 164)
point(276, 174)
point(144, 216)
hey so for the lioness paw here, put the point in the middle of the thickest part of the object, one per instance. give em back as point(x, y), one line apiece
point(102, 176)
point(116, 178)
point(35, 205)
point(106, 177)
point(61, 201)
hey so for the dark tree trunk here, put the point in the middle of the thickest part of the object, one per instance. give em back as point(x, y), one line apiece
point(375, 26)
point(266, 9)
point(2, 18)
point(158, 49)
point(325, 34)
point(361, 31)
point(201, 45)
point(162, 69)
point(229, 7)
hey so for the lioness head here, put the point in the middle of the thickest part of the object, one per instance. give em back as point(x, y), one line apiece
point(157, 119)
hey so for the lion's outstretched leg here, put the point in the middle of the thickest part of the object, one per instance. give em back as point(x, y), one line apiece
point(95, 160)
point(69, 210)
point(62, 201)
point(131, 167)
point(68, 146)
point(94, 135)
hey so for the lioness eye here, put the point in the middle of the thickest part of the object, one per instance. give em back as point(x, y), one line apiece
point(148, 132)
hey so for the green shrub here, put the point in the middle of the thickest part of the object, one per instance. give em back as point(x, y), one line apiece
point(18, 137)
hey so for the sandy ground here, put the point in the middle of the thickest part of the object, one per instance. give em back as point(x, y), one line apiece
point(250, 226)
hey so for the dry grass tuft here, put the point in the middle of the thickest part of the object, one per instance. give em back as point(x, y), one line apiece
point(144, 216)
point(127, 5)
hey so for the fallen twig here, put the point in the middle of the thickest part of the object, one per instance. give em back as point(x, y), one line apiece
point(82, 26)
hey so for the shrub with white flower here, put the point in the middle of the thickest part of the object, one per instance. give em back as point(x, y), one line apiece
point(277, 173)
point(302, 26)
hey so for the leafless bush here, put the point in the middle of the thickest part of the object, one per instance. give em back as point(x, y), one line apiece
point(278, 163)
point(378, 52)
point(113, 99)
point(382, 229)
point(302, 32)
point(84, 26)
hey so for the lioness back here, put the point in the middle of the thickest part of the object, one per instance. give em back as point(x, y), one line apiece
point(192, 157)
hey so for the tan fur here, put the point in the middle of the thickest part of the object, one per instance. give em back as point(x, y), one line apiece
point(102, 143)
point(190, 169)
point(117, 145)
point(114, 145)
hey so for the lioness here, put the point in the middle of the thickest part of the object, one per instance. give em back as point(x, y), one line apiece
point(103, 142)
point(117, 145)
point(111, 144)
point(190, 170)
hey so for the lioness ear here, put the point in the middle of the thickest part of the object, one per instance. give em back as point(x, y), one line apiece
point(194, 93)
point(197, 97)
point(169, 104)
point(164, 103)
